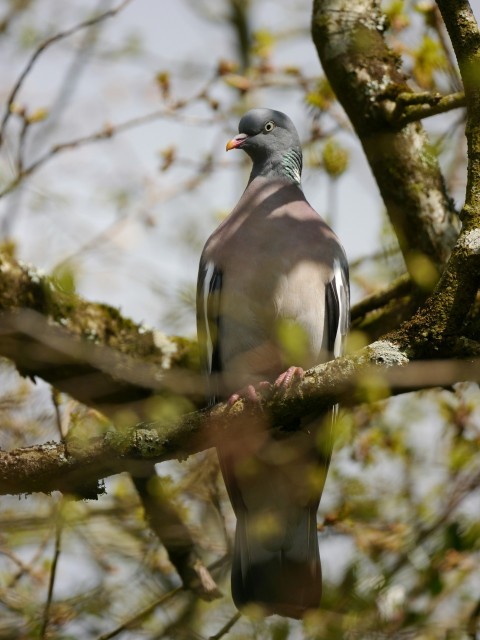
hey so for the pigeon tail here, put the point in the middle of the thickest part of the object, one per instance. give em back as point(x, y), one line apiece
point(283, 579)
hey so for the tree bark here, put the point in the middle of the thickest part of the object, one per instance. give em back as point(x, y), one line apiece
point(87, 350)
point(366, 77)
point(370, 375)
point(440, 323)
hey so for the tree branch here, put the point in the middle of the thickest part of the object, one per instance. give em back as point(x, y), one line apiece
point(371, 374)
point(362, 71)
point(438, 324)
point(85, 349)
point(410, 111)
point(400, 287)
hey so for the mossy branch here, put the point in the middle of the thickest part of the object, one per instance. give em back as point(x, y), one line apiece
point(366, 77)
point(372, 374)
point(411, 107)
point(439, 323)
point(85, 349)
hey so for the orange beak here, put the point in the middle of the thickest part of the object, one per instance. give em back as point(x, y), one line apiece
point(235, 142)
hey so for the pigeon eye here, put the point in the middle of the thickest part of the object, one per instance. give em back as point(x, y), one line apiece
point(269, 126)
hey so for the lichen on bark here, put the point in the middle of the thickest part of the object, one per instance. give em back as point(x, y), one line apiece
point(365, 75)
point(65, 339)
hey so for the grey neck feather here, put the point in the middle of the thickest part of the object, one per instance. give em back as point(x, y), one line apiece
point(287, 165)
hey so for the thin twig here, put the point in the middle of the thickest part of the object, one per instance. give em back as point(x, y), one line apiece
point(53, 573)
point(400, 287)
point(135, 620)
point(456, 82)
point(55, 395)
point(116, 226)
point(144, 613)
point(382, 254)
point(21, 144)
point(226, 627)
point(42, 47)
point(107, 132)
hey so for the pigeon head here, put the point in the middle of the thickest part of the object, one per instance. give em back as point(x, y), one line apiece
point(270, 139)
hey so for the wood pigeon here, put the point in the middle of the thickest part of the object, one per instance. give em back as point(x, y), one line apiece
point(273, 292)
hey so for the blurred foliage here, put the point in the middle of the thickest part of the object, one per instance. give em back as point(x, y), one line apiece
point(335, 158)
point(399, 528)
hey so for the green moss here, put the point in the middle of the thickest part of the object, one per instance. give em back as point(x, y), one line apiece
point(187, 355)
point(22, 286)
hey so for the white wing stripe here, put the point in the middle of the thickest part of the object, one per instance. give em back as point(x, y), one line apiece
point(209, 272)
point(342, 296)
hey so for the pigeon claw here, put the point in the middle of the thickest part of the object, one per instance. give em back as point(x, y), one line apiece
point(250, 394)
point(289, 377)
point(254, 394)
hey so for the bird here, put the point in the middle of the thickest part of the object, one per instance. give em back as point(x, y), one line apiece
point(273, 285)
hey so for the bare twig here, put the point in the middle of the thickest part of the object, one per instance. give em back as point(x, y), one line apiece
point(226, 627)
point(53, 573)
point(136, 619)
point(108, 233)
point(439, 25)
point(383, 254)
point(21, 144)
point(42, 47)
point(144, 613)
point(107, 132)
point(55, 395)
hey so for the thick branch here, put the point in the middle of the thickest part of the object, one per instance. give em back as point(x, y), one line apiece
point(465, 36)
point(386, 309)
point(85, 349)
point(363, 71)
point(372, 373)
point(402, 286)
point(438, 324)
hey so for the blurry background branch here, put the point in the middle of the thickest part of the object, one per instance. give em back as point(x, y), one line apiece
point(39, 51)
point(108, 131)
